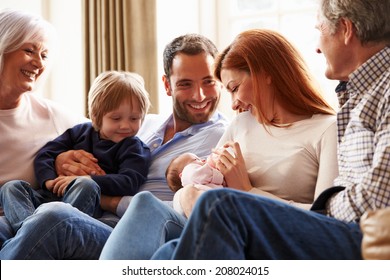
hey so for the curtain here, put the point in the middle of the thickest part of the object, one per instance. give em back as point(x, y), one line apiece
point(121, 35)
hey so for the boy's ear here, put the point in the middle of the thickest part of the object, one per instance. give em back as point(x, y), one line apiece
point(180, 174)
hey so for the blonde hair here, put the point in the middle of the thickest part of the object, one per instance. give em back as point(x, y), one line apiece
point(260, 51)
point(110, 89)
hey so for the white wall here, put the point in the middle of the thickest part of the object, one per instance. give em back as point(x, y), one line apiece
point(175, 17)
point(67, 76)
point(65, 83)
point(178, 17)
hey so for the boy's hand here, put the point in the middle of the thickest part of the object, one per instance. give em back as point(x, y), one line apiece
point(60, 184)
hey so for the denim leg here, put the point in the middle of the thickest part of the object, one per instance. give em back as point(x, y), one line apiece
point(146, 225)
point(109, 218)
point(57, 230)
point(19, 201)
point(166, 251)
point(84, 194)
point(227, 224)
point(6, 231)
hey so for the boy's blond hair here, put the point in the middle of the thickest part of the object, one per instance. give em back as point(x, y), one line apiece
point(110, 89)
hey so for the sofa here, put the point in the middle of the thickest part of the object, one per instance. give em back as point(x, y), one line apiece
point(375, 226)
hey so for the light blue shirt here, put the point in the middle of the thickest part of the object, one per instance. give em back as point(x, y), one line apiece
point(198, 139)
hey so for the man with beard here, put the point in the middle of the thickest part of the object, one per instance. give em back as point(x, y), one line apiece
point(194, 126)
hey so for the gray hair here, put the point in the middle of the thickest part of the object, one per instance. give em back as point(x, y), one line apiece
point(371, 18)
point(18, 28)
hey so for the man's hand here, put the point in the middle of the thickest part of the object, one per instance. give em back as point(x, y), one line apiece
point(109, 203)
point(78, 163)
point(188, 198)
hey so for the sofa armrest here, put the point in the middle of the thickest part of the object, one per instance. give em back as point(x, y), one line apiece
point(375, 226)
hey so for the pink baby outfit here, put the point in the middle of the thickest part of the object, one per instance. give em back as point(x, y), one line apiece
point(203, 177)
point(195, 173)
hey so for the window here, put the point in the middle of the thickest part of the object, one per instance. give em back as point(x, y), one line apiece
point(222, 20)
point(295, 19)
point(65, 83)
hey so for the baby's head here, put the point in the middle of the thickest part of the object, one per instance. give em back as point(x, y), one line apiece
point(175, 168)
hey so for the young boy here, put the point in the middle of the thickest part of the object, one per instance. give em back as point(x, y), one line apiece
point(117, 104)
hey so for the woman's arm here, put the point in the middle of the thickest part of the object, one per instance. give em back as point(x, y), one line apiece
point(236, 176)
point(328, 168)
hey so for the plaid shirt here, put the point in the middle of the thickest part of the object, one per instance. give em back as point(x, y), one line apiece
point(364, 141)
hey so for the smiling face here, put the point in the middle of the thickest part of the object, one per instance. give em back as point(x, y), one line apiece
point(332, 45)
point(195, 93)
point(23, 67)
point(122, 122)
point(239, 84)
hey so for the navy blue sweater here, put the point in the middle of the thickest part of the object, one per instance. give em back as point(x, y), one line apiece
point(126, 163)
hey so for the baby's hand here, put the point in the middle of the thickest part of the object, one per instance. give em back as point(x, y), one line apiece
point(214, 156)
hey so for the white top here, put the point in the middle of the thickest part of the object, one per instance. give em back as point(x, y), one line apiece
point(198, 139)
point(294, 163)
point(24, 130)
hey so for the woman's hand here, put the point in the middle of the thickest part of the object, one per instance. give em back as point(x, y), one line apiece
point(188, 198)
point(77, 162)
point(233, 168)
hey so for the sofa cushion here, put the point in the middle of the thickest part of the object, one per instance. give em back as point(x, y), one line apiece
point(375, 226)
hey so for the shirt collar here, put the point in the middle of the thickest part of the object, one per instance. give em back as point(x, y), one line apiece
point(193, 129)
point(362, 78)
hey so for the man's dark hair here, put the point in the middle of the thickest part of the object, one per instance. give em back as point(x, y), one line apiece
point(190, 44)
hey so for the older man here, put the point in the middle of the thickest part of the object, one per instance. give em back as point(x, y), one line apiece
point(354, 38)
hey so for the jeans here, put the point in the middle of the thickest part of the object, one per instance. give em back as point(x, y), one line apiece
point(6, 231)
point(227, 224)
point(19, 200)
point(57, 230)
point(147, 224)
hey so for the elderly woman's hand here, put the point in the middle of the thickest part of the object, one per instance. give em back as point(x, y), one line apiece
point(77, 162)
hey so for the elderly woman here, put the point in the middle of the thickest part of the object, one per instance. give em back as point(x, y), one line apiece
point(27, 121)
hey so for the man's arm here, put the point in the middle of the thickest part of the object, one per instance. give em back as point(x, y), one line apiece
point(188, 198)
point(77, 162)
point(110, 203)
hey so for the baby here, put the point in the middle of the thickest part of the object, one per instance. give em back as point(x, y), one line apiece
point(189, 169)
